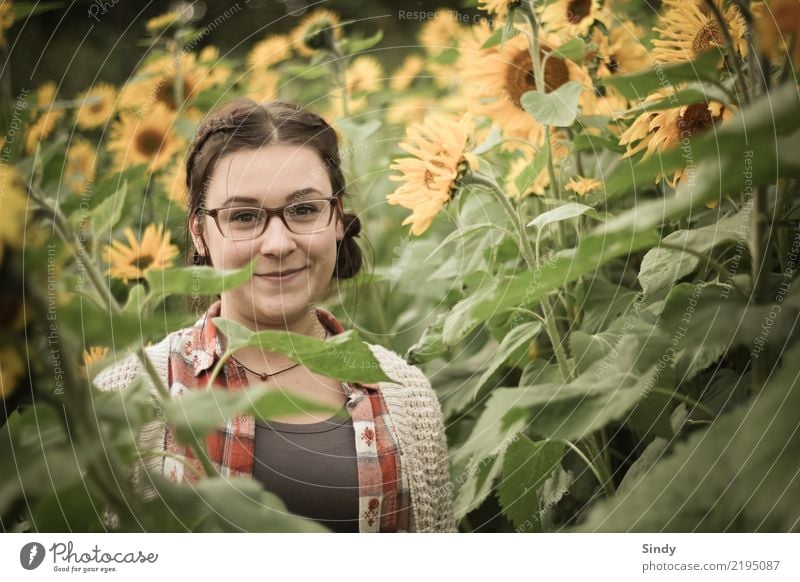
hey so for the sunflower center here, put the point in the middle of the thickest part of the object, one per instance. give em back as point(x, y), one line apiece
point(165, 92)
point(97, 107)
point(696, 119)
point(710, 36)
point(148, 142)
point(577, 10)
point(144, 261)
point(521, 78)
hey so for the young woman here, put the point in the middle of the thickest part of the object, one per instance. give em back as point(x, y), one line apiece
point(264, 180)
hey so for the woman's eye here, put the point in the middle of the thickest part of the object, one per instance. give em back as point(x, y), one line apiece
point(303, 210)
point(245, 217)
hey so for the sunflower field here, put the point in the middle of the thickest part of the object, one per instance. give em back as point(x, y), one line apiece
point(581, 220)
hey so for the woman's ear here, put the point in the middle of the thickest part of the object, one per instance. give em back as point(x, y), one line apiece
point(339, 220)
point(196, 230)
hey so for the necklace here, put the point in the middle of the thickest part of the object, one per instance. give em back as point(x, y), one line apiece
point(263, 376)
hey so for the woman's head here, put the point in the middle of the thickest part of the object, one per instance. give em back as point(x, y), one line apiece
point(266, 156)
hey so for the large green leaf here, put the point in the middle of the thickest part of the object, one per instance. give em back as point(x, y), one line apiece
point(740, 474)
point(343, 357)
point(527, 465)
point(198, 412)
point(563, 212)
point(663, 266)
point(198, 280)
point(520, 336)
point(558, 108)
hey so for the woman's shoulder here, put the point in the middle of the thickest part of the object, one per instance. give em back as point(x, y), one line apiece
point(399, 370)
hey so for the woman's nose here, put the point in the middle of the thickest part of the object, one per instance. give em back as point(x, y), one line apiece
point(277, 239)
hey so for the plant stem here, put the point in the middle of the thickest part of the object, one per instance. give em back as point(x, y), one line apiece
point(606, 484)
point(686, 400)
point(734, 57)
point(714, 264)
point(761, 268)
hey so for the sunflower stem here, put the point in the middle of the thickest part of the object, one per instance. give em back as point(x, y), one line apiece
point(761, 268)
point(734, 57)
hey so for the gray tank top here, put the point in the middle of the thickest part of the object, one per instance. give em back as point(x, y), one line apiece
point(312, 468)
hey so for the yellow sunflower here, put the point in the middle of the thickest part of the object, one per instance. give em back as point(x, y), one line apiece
point(497, 80)
point(316, 31)
point(41, 129)
point(688, 29)
point(440, 32)
point(582, 186)
point(658, 131)
point(6, 19)
point(363, 76)
point(622, 51)
point(536, 187)
point(269, 52)
point(93, 355)
point(174, 183)
point(164, 20)
point(439, 149)
point(13, 208)
point(11, 370)
point(133, 260)
point(574, 17)
point(262, 85)
point(97, 106)
point(410, 69)
point(409, 109)
point(497, 7)
point(156, 82)
point(81, 166)
point(147, 140)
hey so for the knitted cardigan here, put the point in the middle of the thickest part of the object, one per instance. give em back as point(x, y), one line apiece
point(412, 405)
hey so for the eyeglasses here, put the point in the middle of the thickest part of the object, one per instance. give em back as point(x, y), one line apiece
point(245, 223)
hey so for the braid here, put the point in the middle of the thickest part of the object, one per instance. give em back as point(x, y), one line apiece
point(221, 123)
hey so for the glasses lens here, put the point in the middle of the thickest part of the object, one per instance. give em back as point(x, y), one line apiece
point(308, 216)
point(242, 223)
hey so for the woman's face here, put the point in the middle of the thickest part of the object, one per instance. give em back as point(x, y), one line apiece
point(292, 270)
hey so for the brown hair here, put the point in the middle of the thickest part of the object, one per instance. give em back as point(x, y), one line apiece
point(243, 124)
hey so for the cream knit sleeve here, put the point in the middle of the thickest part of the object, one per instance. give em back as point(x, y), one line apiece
point(417, 416)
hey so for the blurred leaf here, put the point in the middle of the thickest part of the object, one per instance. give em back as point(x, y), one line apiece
point(108, 213)
point(520, 336)
point(343, 357)
point(558, 108)
point(351, 45)
point(572, 50)
point(563, 212)
point(198, 280)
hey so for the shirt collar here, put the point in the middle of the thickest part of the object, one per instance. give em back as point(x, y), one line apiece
point(208, 347)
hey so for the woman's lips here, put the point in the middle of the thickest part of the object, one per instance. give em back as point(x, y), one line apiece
point(282, 276)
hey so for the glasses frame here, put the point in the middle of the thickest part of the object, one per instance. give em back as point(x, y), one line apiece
point(214, 213)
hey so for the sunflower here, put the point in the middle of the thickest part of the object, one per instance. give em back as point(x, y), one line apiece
point(132, 261)
point(164, 20)
point(97, 106)
point(535, 187)
point(497, 80)
point(156, 82)
point(622, 51)
point(174, 183)
point(409, 109)
point(438, 147)
point(688, 29)
point(46, 122)
point(582, 186)
point(11, 370)
point(262, 85)
point(318, 30)
point(93, 355)
point(81, 166)
point(658, 131)
point(6, 19)
point(269, 52)
point(574, 17)
point(13, 207)
point(441, 32)
point(150, 139)
point(497, 7)
point(410, 69)
point(363, 76)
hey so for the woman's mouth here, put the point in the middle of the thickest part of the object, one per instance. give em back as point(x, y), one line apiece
point(281, 276)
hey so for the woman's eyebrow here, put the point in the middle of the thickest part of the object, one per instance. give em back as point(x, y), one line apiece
point(251, 200)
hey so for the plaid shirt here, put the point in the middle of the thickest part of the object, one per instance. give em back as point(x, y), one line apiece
point(384, 496)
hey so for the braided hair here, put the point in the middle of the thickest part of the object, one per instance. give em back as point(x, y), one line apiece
point(243, 124)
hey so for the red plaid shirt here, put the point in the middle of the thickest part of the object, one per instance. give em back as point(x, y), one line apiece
point(384, 498)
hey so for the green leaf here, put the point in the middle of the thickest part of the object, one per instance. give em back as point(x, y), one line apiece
point(572, 50)
point(594, 143)
point(740, 474)
point(558, 108)
point(108, 213)
point(501, 34)
point(351, 45)
point(529, 175)
point(661, 267)
point(221, 504)
point(430, 345)
point(697, 93)
point(740, 153)
point(520, 336)
point(198, 280)
point(526, 466)
point(343, 357)
point(198, 412)
point(639, 85)
point(563, 212)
